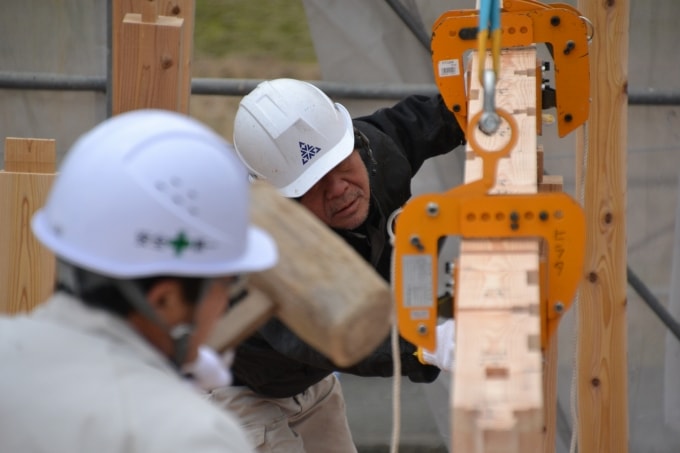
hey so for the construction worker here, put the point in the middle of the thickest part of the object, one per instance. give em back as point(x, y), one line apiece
point(352, 174)
point(148, 219)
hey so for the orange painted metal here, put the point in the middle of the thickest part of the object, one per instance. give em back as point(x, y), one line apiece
point(470, 212)
point(523, 23)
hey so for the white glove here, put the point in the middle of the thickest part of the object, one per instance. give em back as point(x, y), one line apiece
point(443, 356)
point(209, 371)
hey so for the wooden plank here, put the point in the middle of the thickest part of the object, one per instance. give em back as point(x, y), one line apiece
point(147, 68)
point(345, 322)
point(551, 183)
point(30, 155)
point(516, 174)
point(27, 269)
point(601, 312)
point(498, 400)
point(185, 9)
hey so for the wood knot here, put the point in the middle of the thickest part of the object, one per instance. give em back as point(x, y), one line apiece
point(595, 382)
point(592, 277)
point(166, 62)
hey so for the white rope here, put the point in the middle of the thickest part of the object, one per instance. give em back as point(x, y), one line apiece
point(396, 390)
point(396, 353)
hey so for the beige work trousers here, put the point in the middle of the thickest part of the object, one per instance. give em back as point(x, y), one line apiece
point(313, 421)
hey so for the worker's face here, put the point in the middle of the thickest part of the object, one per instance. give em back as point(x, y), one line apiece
point(171, 306)
point(341, 198)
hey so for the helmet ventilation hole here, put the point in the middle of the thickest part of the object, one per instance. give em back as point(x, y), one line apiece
point(185, 197)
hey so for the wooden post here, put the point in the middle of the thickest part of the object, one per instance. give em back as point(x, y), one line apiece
point(149, 60)
point(498, 392)
point(184, 9)
point(602, 340)
point(26, 267)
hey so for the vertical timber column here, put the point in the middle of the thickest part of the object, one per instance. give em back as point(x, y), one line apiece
point(602, 324)
point(148, 55)
point(497, 401)
point(184, 9)
point(26, 267)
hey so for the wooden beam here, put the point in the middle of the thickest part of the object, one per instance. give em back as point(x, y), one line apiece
point(184, 9)
point(147, 61)
point(498, 400)
point(27, 269)
point(602, 340)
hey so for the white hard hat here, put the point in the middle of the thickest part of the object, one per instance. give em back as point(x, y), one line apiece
point(291, 134)
point(153, 192)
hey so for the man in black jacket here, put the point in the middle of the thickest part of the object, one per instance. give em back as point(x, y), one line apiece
point(352, 174)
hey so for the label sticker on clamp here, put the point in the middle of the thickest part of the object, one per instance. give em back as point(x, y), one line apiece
point(448, 68)
point(417, 281)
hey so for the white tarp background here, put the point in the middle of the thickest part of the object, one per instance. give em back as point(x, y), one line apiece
point(66, 37)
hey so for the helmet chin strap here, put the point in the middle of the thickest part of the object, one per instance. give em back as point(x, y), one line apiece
point(80, 281)
point(180, 334)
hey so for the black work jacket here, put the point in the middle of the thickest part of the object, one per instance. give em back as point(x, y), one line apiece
point(274, 362)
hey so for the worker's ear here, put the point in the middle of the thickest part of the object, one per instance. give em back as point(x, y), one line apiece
point(167, 299)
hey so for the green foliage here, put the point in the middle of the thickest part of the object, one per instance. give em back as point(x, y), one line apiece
point(272, 28)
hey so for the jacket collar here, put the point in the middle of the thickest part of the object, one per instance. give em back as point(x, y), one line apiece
point(66, 310)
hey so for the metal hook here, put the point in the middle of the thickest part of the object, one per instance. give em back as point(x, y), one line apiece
point(591, 26)
point(490, 120)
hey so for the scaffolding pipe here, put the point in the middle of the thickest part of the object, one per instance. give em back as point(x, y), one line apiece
point(241, 87)
point(412, 23)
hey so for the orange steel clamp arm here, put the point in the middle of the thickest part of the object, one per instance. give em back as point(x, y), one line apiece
point(524, 22)
point(470, 212)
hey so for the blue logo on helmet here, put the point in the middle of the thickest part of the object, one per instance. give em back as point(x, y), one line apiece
point(307, 152)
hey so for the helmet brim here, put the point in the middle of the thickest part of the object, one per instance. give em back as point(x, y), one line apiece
point(259, 254)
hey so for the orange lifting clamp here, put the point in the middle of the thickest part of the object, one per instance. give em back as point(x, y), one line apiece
point(470, 212)
point(524, 23)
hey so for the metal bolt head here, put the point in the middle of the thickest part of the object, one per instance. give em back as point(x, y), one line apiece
point(559, 307)
point(422, 329)
point(415, 241)
point(432, 209)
